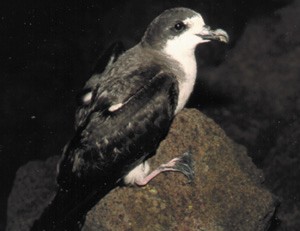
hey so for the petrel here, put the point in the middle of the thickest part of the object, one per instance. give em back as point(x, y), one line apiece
point(125, 111)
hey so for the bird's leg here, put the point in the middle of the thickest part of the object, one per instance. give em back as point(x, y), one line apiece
point(183, 164)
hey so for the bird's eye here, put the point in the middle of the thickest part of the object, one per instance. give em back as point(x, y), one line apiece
point(179, 26)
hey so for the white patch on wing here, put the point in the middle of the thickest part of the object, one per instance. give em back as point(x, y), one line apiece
point(182, 49)
point(115, 107)
point(87, 98)
point(137, 174)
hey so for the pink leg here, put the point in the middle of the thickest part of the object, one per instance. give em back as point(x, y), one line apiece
point(182, 164)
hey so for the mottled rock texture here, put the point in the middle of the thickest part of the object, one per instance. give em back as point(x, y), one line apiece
point(226, 194)
point(256, 101)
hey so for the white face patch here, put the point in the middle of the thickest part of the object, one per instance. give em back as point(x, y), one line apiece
point(185, 43)
point(182, 49)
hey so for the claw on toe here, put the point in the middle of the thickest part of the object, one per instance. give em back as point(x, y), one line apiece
point(183, 164)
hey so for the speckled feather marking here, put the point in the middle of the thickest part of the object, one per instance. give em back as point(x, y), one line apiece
point(117, 133)
point(126, 114)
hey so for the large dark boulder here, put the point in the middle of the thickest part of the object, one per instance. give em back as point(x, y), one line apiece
point(226, 194)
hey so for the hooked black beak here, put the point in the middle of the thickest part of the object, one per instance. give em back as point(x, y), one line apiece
point(218, 34)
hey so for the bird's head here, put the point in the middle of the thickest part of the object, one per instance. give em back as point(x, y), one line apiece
point(180, 30)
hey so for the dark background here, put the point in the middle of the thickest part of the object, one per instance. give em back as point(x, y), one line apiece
point(47, 49)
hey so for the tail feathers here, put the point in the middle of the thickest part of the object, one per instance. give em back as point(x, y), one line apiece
point(68, 209)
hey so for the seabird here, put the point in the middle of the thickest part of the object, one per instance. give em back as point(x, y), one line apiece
point(125, 112)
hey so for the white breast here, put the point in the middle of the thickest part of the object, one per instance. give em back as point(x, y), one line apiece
point(187, 62)
point(182, 49)
point(187, 85)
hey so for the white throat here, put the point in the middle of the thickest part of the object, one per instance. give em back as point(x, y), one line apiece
point(182, 49)
point(187, 62)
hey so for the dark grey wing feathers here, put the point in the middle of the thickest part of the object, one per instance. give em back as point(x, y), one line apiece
point(112, 90)
point(110, 56)
point(107, 145)
point(107, 141)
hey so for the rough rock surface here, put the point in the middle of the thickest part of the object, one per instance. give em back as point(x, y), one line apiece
point(227, 192)
point(260, 84)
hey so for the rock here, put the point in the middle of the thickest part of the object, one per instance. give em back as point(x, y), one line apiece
point(283, 173)
point(33, 189)
point(226, 194)
point(260, 82)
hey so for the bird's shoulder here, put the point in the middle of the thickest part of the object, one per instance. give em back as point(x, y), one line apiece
point(135, 96)
point(129, 76)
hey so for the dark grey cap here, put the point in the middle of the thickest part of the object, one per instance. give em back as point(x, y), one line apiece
point(163, 27)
